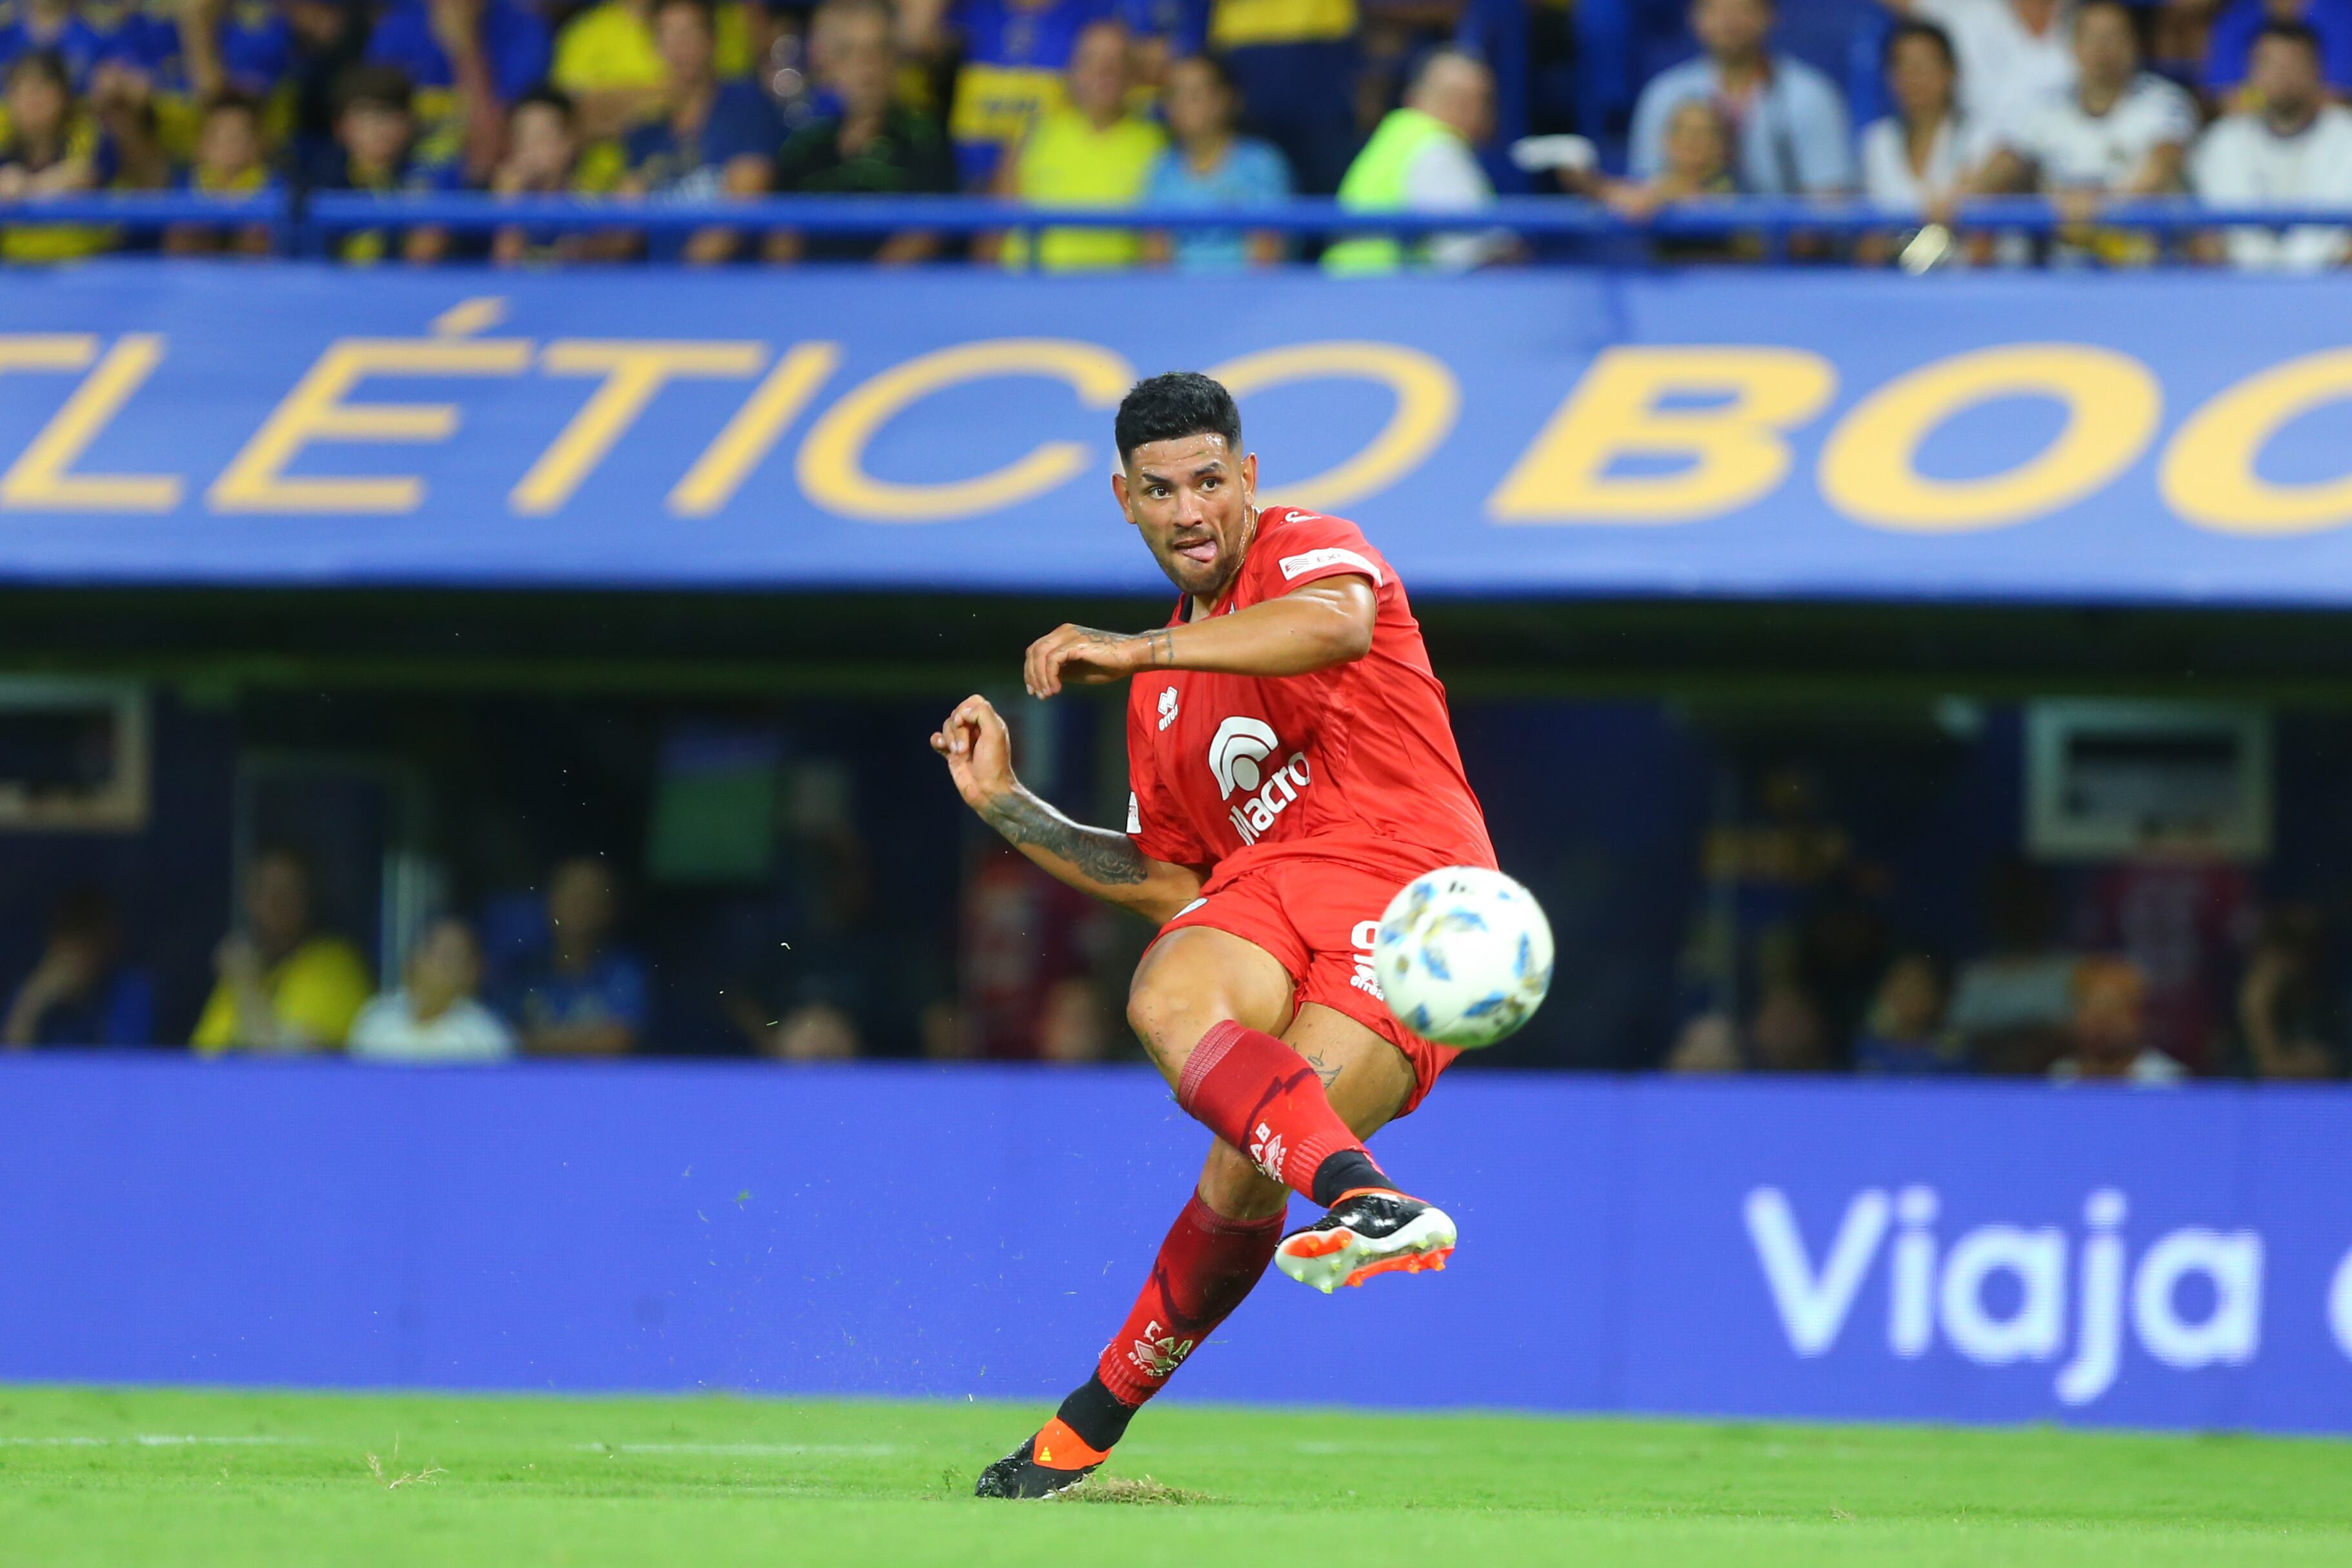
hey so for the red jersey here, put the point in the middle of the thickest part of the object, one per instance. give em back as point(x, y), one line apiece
point(1356, 761)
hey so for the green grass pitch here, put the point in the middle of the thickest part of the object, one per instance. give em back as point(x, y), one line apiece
point(113, 1477)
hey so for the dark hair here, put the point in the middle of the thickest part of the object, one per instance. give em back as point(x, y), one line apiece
point(1175, 405)
point(385, 86)
point(44, 62)
point(243, 104)
point(2302, 33)
point(548, 95)
point(1905, 30)
point(84, 914)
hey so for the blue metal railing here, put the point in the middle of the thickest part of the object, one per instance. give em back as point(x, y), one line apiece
point(305, 225)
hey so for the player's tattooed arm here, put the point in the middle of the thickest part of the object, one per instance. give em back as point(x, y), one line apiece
point(1027, 822)
point(1094, 861)
point(1089, 655)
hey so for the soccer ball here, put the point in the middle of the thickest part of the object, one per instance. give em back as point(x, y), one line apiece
point(1464, 956)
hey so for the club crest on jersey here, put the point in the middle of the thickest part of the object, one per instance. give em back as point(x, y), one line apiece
point(1167, 708)
point(1237, 756)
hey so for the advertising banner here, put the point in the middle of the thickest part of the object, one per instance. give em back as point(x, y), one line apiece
point(1847, 1250)
point(2160, 438)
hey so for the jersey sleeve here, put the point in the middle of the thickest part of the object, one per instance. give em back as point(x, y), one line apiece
point(1155, 819)
point(1309, 547)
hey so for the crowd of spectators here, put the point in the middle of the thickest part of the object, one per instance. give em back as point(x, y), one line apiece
point(2160, 972)
point(1184, 103)
point(2148, 971)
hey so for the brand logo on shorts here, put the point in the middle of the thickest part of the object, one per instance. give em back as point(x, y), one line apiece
point(1158, 1352)
point(1268, 1152)
point(1168, 708)
point(1366, 978)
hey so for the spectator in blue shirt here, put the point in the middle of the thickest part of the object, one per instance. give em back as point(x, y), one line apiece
point(1010, 57)
point(209, 49)
point(1208, 166)
point(2230, 48)
point(586, 997)
point(82, 992)
point(467, 60)
point(57, 24)
point(713, 138)
point(375, 150)
point(1787, 119)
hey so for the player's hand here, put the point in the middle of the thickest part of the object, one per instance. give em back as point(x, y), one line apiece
point(978, 751)
point(1081, 656)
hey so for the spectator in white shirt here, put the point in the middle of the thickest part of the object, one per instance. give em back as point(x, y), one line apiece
point(1918, 158)
point(2295, 150)
point(1789, 121)
point(433, 1017)
point(2120, 132)
point(2013, 53)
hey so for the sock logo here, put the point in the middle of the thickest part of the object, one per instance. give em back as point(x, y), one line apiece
point(1268, 1152)
point(1159, 1352)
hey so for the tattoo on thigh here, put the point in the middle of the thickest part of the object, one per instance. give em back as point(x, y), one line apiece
point(1327, 1071)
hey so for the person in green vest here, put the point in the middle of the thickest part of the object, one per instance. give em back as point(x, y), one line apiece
point(1422, 158)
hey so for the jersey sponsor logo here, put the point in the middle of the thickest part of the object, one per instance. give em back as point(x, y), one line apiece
point(1367, 978)
point(1167, 708)
point(1134, 813)
point(1235, 754)
point(1295, 566)
point(1257, 813)
point(1269, 1151)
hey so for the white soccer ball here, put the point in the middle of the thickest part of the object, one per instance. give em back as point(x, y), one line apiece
point(1464, 956)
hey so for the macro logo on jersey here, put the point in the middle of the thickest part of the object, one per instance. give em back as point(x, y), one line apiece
point(1158, 1352)
point(1237, 756)
point(1167, 708)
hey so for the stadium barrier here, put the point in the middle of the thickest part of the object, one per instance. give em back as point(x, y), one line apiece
point(2141, 439)
point(305, 221)
point(1945, 1252)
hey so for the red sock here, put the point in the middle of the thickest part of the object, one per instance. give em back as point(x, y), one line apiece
point(1204, 1269)
point(1261, 1097)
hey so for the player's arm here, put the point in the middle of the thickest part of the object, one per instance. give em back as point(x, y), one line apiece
point(1092, 859)
point(1325, 621)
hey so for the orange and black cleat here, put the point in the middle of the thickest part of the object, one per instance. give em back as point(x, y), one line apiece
point(1055, 1459)
point(1369, 1231)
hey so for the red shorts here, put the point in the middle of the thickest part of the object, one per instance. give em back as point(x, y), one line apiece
point(1318, 917)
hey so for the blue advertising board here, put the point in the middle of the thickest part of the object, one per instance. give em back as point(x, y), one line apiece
point(1944, 1252)
point(2158, 438)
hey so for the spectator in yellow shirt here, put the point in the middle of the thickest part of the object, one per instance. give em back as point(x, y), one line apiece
point(283, 987)
point(606, 59)
point(1089, 153)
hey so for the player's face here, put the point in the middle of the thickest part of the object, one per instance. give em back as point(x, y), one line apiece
point(1191, 499)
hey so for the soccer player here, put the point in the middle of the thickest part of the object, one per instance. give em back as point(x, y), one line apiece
point(1293, 766)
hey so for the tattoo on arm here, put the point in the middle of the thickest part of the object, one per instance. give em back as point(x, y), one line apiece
point(1109, 859)
point(1163, 643)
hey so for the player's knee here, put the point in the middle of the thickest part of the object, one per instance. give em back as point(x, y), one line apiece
point(1237, 1189)
point(1170, 1018)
